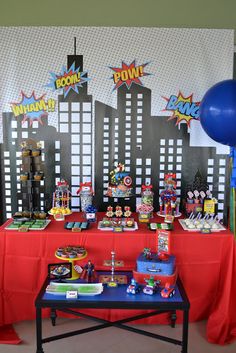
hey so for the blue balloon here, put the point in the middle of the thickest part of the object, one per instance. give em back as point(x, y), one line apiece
point(218, 112)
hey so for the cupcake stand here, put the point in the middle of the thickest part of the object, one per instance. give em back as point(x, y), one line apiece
point(75, 274)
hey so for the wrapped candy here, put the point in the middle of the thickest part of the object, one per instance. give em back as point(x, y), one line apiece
point(147, 195)
point(145, 212)
point(144, 208)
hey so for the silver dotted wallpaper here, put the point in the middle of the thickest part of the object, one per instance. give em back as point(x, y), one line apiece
point(96, 96)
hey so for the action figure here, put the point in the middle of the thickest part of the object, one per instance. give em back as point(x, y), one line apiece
point(88, 272)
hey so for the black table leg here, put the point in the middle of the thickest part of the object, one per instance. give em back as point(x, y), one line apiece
point(53, 316)
point(39, 330)
point(173, 318)
point(185, 333)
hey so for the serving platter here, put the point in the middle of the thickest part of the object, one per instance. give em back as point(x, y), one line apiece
point(86, 289)
point(125, 228)
point(24, 223)
point(185, 227)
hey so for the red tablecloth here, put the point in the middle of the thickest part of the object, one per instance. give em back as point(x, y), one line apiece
point(206, 265)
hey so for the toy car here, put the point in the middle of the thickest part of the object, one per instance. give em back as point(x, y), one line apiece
point(163, 256)
point(133, 288)
point(168, 291)
point(151, 287)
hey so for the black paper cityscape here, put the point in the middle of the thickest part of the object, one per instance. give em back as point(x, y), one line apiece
point(92, 137)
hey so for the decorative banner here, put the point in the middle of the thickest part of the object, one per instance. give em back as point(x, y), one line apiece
point(183, 108)
point(128, 74)
point(68, 80)
point(33, 108)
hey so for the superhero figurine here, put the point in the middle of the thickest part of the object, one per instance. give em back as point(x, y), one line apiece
point(88, 272)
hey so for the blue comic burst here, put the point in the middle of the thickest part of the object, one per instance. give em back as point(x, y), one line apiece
point(76, 77)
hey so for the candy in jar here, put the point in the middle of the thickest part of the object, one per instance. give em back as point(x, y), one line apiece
point(147, 195)
point(85, 192)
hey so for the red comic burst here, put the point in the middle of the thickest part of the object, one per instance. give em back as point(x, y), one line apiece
point(128, 74)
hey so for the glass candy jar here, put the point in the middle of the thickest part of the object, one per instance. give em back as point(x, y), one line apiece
point(85, 192)
point(147, 195)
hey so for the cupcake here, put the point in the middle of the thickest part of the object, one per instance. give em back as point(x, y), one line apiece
point(80, 252)
point(18, 214)
point(26, 152)
point(38, 176)
point(42, 215)
point(24, 176)
point(36, 152)
point(72, 255)
point(26, 214)
point(36, 214)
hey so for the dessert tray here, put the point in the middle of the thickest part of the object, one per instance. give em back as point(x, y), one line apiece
point(72, 252)
point(76, 225)
point(51, 213)
point(30, 224)
point(163, 215)
point(110, 228)
point(199, 225)
point(163, 226)
point(87, 289)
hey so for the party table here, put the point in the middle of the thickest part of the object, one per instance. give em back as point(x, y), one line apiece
point(206, 265)
point(114, 298)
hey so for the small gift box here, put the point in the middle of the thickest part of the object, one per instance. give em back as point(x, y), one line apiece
point(144, 217)
point(90, 213)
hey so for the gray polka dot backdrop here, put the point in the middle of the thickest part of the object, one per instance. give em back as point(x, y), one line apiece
point(107, 124)
point(190, 60)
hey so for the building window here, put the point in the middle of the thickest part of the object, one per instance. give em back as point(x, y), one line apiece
point(75, 170)
point(25, 125)
point(63, 107)
point(25, 134)
point(75, 160)
point(87, 138)
point(57, 145)
point(87, 128)
point(87, 160)
point(64, 128)
point(87, 117)
point(35, 125)
point(75, 128)
point(75, 138)
point(75, 117)
point(87, 107)
point(14, 124)
point(87, 170)
point(57, 169)
point(64, 117)
point(87, 149)
point(75, 149)
point(75, 107)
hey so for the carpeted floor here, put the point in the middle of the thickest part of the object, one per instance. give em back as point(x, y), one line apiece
point(111, 340)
